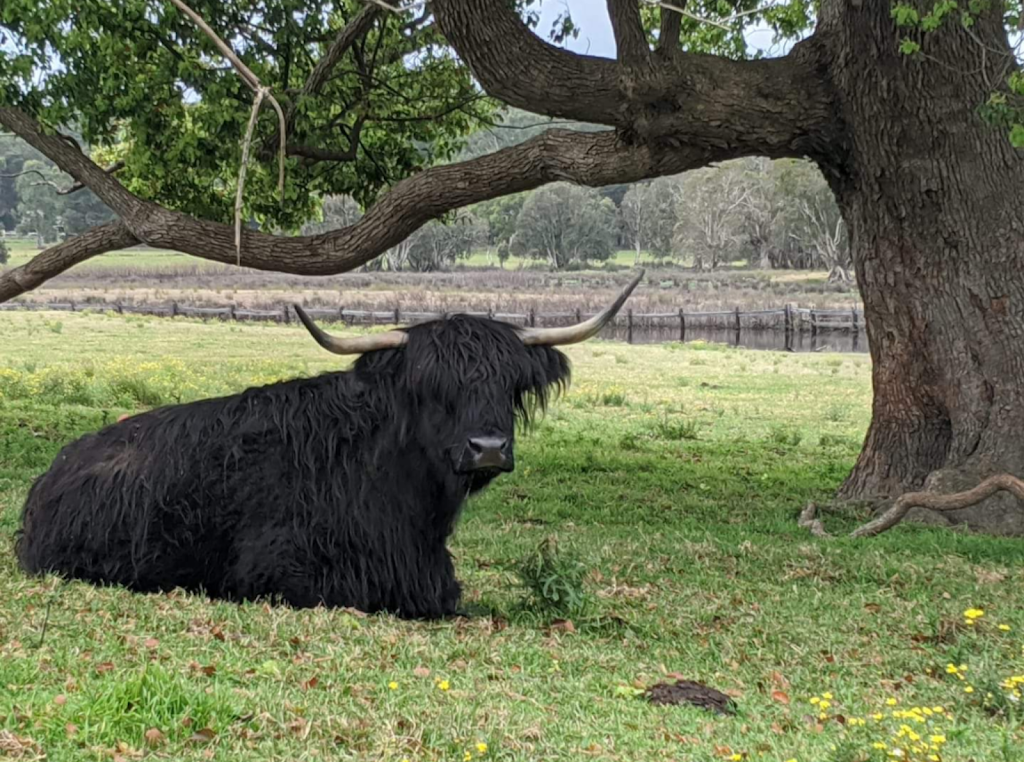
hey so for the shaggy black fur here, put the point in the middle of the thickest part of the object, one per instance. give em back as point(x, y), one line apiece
point(340, 489)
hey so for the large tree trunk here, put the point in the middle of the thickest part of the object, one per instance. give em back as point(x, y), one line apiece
point(934, 202)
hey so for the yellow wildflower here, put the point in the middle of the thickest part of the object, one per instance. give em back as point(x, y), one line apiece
point(393, 685)
point(1004, 627)
point(974, 613)
point(443, 685)
point(891, 701)
point(481, 748)
point(466, 757)
point(826, 695)
point(968, 689)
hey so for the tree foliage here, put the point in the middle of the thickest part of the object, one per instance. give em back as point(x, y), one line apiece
point(139, 79)
point(564, 224)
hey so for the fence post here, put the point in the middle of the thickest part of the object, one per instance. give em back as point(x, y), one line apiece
point(398, 316)
point(72, 306)
point(174, 309)
point(284, 315)
point(533, 318)
point(854, 315)
point(682, 325)
point(341, 314)
point(787, 320)
point(231, 313)
point(629, 326)
point(120, 308)
point(814, 323)
point(579, 316)
point(737, 320)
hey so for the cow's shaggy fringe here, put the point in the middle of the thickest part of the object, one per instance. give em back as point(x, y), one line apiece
point(337, 490)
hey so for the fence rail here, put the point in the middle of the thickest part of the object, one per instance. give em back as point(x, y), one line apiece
point(791, 318)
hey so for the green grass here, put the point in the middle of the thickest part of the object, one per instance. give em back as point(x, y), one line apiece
point(144, 258)
point(655, 504)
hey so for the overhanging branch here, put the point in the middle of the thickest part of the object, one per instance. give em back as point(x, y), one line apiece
point(56, 259)
point(587, 158)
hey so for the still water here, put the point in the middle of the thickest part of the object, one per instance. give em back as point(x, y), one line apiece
point(750, 338)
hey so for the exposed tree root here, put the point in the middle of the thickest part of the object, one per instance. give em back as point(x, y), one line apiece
point(929, 500)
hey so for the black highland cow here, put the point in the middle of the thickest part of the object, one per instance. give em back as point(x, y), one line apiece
point(338, 490)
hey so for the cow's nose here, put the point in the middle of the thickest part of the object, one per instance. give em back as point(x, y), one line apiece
point(490, 452)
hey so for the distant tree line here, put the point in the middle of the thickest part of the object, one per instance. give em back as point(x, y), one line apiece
point(773, 214)
point(34, 196)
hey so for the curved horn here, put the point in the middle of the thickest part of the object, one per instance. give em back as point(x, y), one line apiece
point(581, 331)
point(355, 345)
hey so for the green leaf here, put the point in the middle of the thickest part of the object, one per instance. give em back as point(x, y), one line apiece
point(904, 15)
point(1017, 135)
point(909, 47)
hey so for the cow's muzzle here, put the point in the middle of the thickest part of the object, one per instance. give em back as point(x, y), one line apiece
point(487, 453)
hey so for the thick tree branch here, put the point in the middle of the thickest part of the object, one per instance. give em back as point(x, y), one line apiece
point(630, 39)
point(360, 24)
point(56, 259)
point(587, 158)
point(671, 27)
point(775, 107)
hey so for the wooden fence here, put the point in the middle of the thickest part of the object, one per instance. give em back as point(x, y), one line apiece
point(791, 319)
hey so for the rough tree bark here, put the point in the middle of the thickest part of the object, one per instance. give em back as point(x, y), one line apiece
point(934, 203)
point(933, 200)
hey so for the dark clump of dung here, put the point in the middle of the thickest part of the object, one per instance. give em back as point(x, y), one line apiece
point(690, 692)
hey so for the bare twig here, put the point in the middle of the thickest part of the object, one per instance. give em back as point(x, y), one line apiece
point(117, 166)
point(261, 92)
point(73, 188)
point(723, 24)
point(929, 500)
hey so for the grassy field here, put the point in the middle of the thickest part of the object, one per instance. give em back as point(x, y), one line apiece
point(670, 478)
point(23, 249)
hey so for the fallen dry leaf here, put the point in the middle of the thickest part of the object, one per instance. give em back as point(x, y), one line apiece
point(779, 680)
point(151, 643)
point(872, 608)
point(563, 625)
point(153, 737)
point(781, 696)
point(70, 730)
point(106, 666)
point(422, 671)
point(204, 735)
point(311, 683)
point(60, 700)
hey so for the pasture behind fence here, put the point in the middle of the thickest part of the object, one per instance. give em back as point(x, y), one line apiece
point(791, 318)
